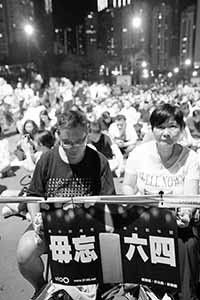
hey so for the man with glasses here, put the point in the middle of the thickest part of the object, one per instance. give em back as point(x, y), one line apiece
point(68, 170)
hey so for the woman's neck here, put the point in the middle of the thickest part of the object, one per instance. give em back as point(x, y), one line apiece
point(169, 154)
point(165, 152)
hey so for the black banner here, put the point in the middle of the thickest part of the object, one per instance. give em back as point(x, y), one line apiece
point(142, 249)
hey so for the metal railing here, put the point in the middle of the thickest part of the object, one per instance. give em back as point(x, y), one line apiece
point(151, 200)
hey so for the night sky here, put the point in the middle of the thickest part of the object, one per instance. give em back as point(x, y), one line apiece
point(67, 12)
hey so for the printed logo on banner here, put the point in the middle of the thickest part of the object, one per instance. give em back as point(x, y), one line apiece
point(142, 250)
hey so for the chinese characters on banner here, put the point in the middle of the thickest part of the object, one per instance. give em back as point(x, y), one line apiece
point(142, 249)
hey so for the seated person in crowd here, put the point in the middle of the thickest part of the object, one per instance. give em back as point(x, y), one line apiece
point(193, 124)
point(46, 123)
point(33, 149)
point(5, 167)
point(123, 134)
point(105, 120)
point(104, 144)
point(173, 169)
point(29, 130)
point(44, 141)
point(32, 113)
point(73, 169)
point(132, 116)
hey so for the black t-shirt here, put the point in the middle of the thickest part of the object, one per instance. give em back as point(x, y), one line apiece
point(54, 177)
point(104, 146)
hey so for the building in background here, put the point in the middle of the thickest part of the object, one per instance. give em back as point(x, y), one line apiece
point(161, 37)
point(175, 34)
point(197, 38)
point(109, 32)
point(80, 39)
point(70, 40)
point(126, 32)
point(102, 4)
point(4, 49)
point(136, 20)
point(19, 43)
point(119, 3)
point(187, 34)
point(91, 34)
point(59, 47)
point(14, 14)
point(44, 26)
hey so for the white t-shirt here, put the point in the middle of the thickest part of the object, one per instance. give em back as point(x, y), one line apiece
point(132, 116)
point(129, 134)
point(5, 154)
point(152, 177)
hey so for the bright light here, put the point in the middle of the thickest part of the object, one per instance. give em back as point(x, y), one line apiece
point(194, 73)
point(176, 70)
point(188, 62)
point(115, 72)
point(170, 74)
point(145, 71)
point(29, 29)
point(152, 73)
point(137, 22)
point(145, 75)
point(144, 64)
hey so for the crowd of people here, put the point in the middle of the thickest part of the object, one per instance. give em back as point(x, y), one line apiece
point(76, 138)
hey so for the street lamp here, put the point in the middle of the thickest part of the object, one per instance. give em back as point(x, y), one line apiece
point(137, 22)
point(194, 73)
point(145, 73)
point(176, 70)
point(188, 63)
point(169, 74)
point(29, 31)
point(144, 64)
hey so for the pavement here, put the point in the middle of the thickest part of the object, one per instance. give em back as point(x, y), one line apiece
point(12, 284)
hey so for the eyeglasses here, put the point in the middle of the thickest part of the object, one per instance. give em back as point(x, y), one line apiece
point(68, 145)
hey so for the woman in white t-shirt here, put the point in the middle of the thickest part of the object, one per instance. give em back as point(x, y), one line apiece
point(165, 165)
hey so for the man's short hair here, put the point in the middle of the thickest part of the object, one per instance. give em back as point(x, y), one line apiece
point(72, 119)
